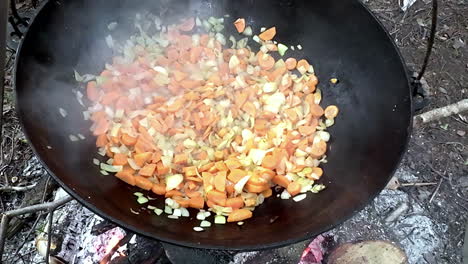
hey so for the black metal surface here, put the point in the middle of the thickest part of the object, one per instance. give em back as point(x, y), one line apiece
point(341, 38)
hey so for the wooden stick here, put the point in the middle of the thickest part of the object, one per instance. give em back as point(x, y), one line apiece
point(26, 210)
point(442, 112)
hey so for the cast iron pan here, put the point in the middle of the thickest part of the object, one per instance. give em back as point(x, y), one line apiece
point(340, 38)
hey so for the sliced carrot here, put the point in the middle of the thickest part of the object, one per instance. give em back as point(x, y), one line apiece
point(267, 193)
point(236, 174)
point(218, 155)
point(126, 177)
point(281, 181)
point(197, 202)
point(159, 189)
point(265, 61)
point(161, 169)
point(318, 149)
point(303, 66)
point(143, 183)
point(102, 125)
point(221, 166)
point(206, 167)
point(316, 110)
point(235, 203)
point(292, 114)
point(120, 159)
point(240, 25)
point(142, 158)
point(172, 193)
point(190, 171)
point(92, 91)
point(148, 170)
point(306, 130)
point(291, 63)
point(233, 164)
point(180, 159)
point(217, 197)
point(294, 188)
point(268, 34)
point(220, 181)
point(101, 140)
point(253, 188)
point(179, 76)
point(331, 111)
point(249, 108)
point(270, 162)
point(239, 215)
point(191, 194)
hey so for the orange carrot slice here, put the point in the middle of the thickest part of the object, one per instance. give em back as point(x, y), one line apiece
point(239, 215)
point(268, 34)
point(240, 25)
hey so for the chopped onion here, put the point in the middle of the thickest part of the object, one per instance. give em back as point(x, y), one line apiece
point(110, 168)
point(220, 220)
point(96, 162)
point(111, 26)
point(172, 217)
point(142, 200)
point(285, 195)
point(240, 184)
point(248, 31)
point(299, 47)
point(205, 223)
point(167, 209)
point(73, 138)
point(299, 197)
point(132, 164)
point(201, 215)
point(233, 41)
point(256, 39)
point(220, 37)
point(115, 130)
point(177, 212)
point(86, 115)
point(161, 70)
point(270, 87)
point(185, 212)
point(282, 49)
point(110, 41)
point(103, 172)
point(233, 62)
point(242, 43)
point(198, 229)
point(158, 211)
point(262, 29)
point(63, 112)
point(81, 136)
point(172, 181)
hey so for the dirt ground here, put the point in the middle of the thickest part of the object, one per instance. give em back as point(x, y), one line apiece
point(432, 229)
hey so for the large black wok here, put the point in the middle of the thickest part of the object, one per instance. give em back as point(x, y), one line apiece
point(340, 38)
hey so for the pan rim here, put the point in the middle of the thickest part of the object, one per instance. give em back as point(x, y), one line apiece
point(240, 248)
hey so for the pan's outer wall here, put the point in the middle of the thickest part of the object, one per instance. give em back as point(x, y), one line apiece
point(340, 38)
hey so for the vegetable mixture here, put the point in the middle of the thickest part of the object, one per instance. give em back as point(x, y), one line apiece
point(208, 126)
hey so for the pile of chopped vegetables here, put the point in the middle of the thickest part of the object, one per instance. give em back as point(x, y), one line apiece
point(208, 125)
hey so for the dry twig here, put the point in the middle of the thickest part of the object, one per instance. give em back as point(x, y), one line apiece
point(442, 112)
point(50, 207)
point(17, 188)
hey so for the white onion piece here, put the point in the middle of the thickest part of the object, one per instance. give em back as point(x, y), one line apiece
point(110, 168)
point(299, 197)
point(132, 164)
point(240, 184)
point(172, 181)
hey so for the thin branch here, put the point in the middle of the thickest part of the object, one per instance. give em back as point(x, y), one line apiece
point(17, 188)
point(27, 210)
point(442, 112)
point(436, 190)
point(417, 184)
point(49, 234)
